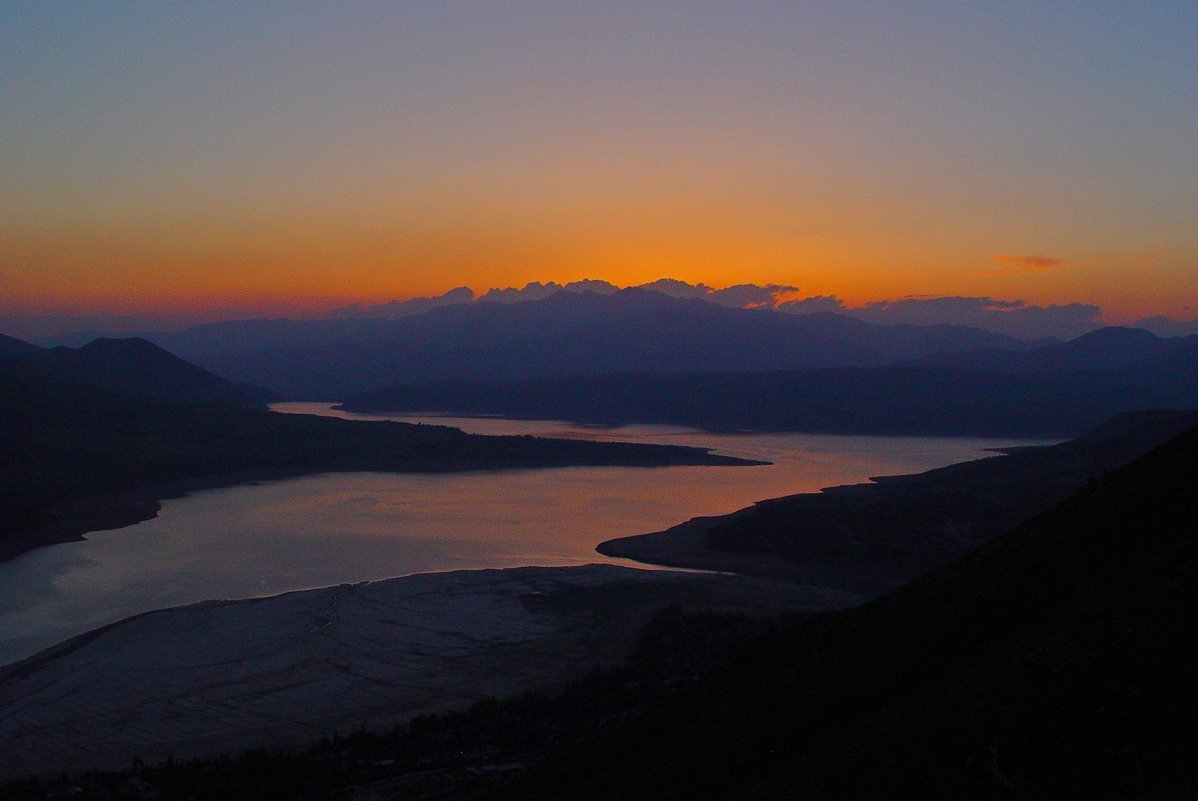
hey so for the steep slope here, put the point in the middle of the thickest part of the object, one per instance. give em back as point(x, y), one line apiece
point(1057, 662)
point(13, 348)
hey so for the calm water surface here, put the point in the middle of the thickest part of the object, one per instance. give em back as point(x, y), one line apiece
point(334, 528)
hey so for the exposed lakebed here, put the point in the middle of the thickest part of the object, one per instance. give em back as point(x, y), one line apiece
point(328, 529)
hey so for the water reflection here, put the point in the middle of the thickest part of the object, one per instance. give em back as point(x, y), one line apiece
point(329, 529)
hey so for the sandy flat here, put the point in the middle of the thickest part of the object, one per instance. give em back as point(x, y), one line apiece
point(227, 675)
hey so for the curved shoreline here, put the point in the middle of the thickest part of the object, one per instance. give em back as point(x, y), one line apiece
point(685, 546)
point(76, 517)
point(874, 537)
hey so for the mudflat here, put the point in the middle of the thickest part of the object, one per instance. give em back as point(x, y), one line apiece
point(220, 676)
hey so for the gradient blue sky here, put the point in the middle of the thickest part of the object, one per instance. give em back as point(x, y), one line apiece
point(163, 158)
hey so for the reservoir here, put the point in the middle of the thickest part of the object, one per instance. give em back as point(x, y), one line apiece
point(328, 529)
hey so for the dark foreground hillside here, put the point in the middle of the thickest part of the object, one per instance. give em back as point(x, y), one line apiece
point(1059, 661)
point(875, 537)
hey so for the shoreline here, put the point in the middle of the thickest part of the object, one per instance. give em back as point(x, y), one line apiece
point(685, 546)
point(874, 537)
point(74, 518)
point(77, 517)
point(221, 676)
point(698, 426)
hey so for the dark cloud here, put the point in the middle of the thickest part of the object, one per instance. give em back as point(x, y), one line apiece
point(403, 308)
point(1026, 264)
point(1012, 317)
point(740, 296)
point(531, 291)
point(592, 285)
point(744, 296)
point(535, 290)
point(815, 304)
point(678, 289)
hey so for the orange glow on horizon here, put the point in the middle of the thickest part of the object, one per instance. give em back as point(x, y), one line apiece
point(291, 160)
point(305, 267)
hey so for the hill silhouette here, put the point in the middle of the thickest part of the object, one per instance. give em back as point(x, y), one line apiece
point(1106, 349)
point(11, 347)
point(1056, 662)
point(137, 369)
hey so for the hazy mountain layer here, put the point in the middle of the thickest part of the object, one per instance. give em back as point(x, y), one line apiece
point(563, 334)
point(1053, 391)
point(1106, 349)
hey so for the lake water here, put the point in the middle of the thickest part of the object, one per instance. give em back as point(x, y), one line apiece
point(329, 529)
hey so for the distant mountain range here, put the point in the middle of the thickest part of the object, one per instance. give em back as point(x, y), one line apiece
point(1111, 348)
point(1013, 318)
point(563, 334)
point(1052, 391)
point(641, 356)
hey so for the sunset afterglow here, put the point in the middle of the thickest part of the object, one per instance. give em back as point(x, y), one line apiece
point(290, 159)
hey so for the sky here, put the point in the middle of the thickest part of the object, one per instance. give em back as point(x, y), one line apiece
point(162, 159)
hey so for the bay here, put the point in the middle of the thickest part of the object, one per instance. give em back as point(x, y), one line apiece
point(328, 529)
